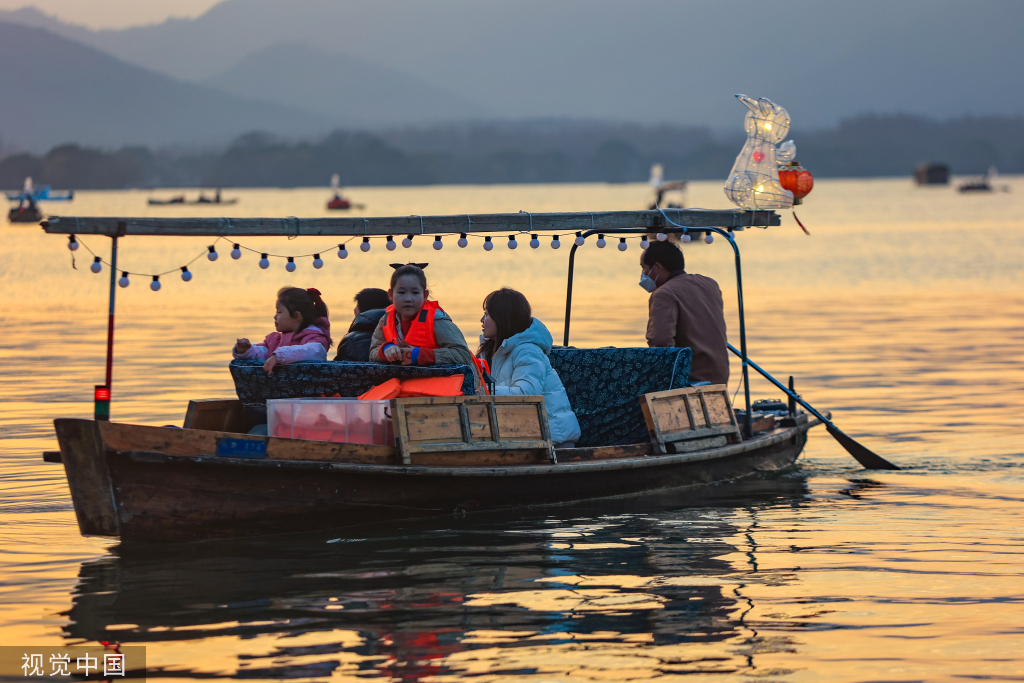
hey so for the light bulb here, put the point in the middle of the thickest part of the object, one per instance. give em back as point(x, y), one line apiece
point(290, 266)
point(555, 244)
point(534, 243)
point(437, 243)
point(72, 243)
point(407, 242)
point(709, 238)
point(622, 244)
point(391, 244)
point(512, 244)
point(318, 262)
point(645, 242)
point(463, 242)
point(124, 280)
point(365, 246)
point(155, 284)
point(684, 238)
point(488, 244)
point(264, 262)
point(342, 251)
point(579, 239)
point(213, 253)
point(96, 265)
point(186, 275)
point(601, 241)
point(236, 253)
point(662, 237)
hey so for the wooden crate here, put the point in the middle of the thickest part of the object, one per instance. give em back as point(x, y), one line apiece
point(479, 429)
point(689, 419)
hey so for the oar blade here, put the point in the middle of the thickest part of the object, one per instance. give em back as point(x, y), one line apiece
point(867, 458)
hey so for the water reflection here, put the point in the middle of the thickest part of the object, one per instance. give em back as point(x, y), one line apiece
point(413, 602)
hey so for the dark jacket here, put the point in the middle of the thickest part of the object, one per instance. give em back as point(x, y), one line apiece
point(687, 311)
point(355, 345)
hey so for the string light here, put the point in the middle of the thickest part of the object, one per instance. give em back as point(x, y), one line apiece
point(437, 243)
point(290, 266)
point(264, 262)
point(236, 252)
point(212, 255)
point(342, 251)
point(709, 238)
point(534, 243)
point(365, 246)
point(684, 238)
point(622, 244)
point(512, 244)
point(124, 280)
point(72, 243)
point(391, 244)
point(645, 242)
point(407, 242)
point(318, 262)
point(662, 237)
point(186, 275)
point(488, 244)
point(463, 242)
point(579, 239)
point(155, 284)
point(96, 266)
point(555, 244)
point(600, 241)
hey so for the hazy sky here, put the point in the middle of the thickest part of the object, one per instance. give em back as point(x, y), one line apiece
point(115, 13)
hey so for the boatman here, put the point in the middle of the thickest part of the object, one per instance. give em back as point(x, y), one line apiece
point(685, 310)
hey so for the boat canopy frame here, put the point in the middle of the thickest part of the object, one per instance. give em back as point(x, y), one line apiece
point(584, 223)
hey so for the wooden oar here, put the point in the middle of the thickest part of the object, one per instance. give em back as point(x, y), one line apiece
point(865, 457)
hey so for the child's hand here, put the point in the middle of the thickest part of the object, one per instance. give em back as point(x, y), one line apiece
point(407, 355)
point(271, 363)
point(242, 345)
point(393, 354)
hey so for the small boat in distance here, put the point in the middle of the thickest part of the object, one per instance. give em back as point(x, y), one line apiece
point(931, 173)
point(339, 202)
point(27, 210)
point(984, 183)
point(202, 199)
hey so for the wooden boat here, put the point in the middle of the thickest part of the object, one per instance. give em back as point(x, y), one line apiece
point(181, 201)
point(452, 456)
point(25, 214)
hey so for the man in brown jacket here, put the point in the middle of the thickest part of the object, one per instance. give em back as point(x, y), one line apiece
point(685, 310)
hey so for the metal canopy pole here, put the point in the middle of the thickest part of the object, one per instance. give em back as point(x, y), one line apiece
point(749, 427)
point(110, 314)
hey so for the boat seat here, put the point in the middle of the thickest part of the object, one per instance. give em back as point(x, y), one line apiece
point(604, 387)
point(309, 379)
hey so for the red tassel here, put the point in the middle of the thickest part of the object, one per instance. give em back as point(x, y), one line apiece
point(800, 224)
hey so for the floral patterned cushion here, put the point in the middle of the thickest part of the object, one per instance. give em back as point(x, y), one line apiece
point(604, 387)
point(327, 378)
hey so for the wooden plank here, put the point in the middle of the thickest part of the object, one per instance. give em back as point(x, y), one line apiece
point(689, 413)
point(221, 415)
point(197, 443)
point(693, 445)
point(479, 417)
point(482, 458)
point(433, 424)
point(401, 430)
point(518, 423)
point(718, 409)
point(406, 225)
point(633, 450)
point(85, 464)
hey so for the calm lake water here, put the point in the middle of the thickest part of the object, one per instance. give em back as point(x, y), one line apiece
point(903, 313)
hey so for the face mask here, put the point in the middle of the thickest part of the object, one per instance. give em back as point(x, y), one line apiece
point(647, 283)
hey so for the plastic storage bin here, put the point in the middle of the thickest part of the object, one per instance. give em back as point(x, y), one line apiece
point(341, 420)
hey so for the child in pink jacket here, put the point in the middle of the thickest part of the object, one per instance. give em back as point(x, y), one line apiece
point(303, 331)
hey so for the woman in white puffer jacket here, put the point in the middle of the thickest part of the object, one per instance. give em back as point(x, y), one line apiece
point(517, 346)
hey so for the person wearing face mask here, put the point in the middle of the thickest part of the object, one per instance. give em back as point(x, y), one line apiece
point(685, 310)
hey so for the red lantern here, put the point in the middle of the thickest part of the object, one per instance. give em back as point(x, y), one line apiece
point(797, 180)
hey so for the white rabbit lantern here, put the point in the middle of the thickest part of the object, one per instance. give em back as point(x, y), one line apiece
point(754, 180)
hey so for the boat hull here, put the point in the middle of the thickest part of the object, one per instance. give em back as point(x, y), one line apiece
point(147, 495)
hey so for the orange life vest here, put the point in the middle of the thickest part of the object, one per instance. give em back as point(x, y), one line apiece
point(421, 330)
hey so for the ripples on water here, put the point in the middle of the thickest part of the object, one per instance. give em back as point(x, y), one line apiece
point(901, 314)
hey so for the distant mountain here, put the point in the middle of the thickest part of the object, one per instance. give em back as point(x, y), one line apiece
point(342, 87)
point(59, 91)
point(646, 61)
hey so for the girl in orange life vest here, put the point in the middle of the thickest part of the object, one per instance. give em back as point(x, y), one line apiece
point(415, 331)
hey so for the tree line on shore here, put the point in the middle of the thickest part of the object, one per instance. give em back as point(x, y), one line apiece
point(526, 152)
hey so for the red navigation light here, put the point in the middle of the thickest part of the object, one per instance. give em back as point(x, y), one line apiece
point(101, 393)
